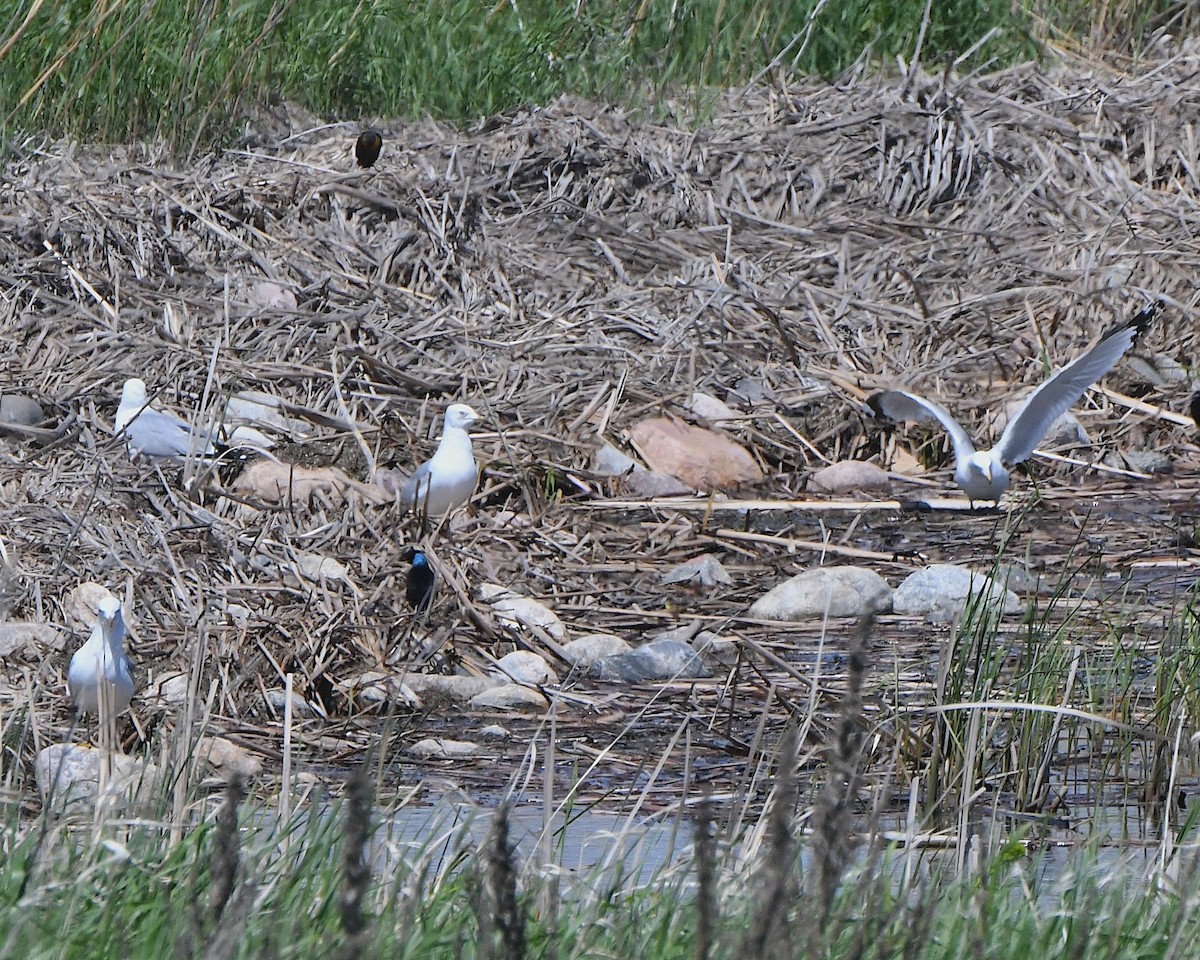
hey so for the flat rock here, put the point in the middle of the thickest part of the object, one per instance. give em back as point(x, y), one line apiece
point(524, 666)
point(21, 410)
point(586, 650)
point(443, 748)
point(25, 640)
point(67, 774)
point(661, 659)
point(850, 476)
point(171, 688)
point(703, 459)
point(611, 462)
point(940, 592)
point(843, 591)
point(81, 603)
point(518, 611)
point(649, 484)
point(705, 406)
point(1143, 461)
point(509, 696)
point(278, 701)
point(705, 570)
point(493, 731)
point(455, 687)
point(228, 758)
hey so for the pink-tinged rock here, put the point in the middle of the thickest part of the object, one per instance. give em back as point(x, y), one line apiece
point(704, 460)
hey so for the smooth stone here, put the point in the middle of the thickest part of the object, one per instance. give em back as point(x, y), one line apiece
point(516, 610)
point(524, 666)
point(707, 407)
point(843, 591)
point(1020, 580)
point(300, 707)
point(509, 696)
point(455, 687)
point(72, 774)
point(850, 476)
point(703, 459)
point(172, 688)
point(611, 462)
point(28, 639)
point(939, 593)
point(21, 410)
point(586, 650)
point(705, 570)
point(442, 748)
point(648, 484)
point(83, 600)
point(227, 757)
point(661, 659)
point(493, 731)
point(1143, 461)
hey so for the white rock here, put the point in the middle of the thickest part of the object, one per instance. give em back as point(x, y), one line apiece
point(519, 611)
point(278, 700)
point(509, 696)
point(374, 686)
point(458, 688)
point(707, 407)
point(524, 666)
point(843, 591)
point(442, 748)
point(850, 476)
point(67, 774)
point(586, 650)
point(611, 462)
point(172, 688)
point(228, 757)
point(705, 570)
point(27, 640)
point(493, 731)
point(939, 593)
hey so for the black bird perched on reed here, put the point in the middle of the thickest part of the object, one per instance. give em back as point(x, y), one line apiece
point(366, 150)
point(418, 589)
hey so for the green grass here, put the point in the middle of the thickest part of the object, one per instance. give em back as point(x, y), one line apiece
point(191, 73)
point(132, 893)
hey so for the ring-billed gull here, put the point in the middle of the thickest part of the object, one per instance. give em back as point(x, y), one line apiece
point(101, 668)
point(446, 480)
point(152, 432)
point(983, 474)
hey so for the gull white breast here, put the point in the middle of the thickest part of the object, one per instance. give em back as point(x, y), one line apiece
point(101, 668)
point(446, 480)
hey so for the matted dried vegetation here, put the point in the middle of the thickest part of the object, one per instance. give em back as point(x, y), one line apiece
point(570, 270)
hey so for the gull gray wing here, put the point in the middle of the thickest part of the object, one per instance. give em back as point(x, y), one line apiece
point(902, 405)
point(415, 486)
point(1052, 399)
point(158, 434)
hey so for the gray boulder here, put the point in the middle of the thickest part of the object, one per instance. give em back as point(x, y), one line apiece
point(834, 591)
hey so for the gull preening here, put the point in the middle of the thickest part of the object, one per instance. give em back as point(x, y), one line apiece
point(101, 670)
point(152, 432)
point(447, 480)
point(983, 474)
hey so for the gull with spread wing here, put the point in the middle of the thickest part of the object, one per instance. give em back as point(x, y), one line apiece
point(983, 474)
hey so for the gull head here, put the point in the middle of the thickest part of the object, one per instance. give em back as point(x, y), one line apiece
point(459, 416)
point(982, 476)
point(133, 394)
point(109, 609)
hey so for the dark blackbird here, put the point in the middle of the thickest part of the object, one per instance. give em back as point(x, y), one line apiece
point(419, 587)
point(366, 150)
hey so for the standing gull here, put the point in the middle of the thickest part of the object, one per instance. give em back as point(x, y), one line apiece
point(983, 474)
point(100, 669)
point(152, 432)
point(447, 480)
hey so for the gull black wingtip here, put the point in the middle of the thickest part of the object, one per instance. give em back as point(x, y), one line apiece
point(1141, 322)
